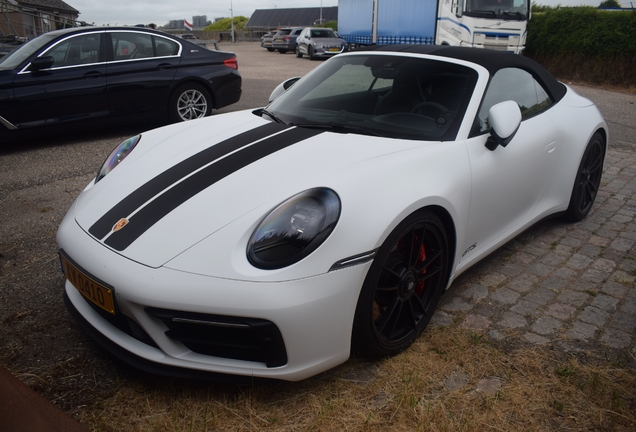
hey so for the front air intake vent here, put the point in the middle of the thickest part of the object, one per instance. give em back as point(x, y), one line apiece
point(248, 339)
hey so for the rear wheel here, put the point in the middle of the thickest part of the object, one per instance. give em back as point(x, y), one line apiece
point(282, 51)
point(403, 286)
point(588, 179)
point(271, 49)
point(189, 101)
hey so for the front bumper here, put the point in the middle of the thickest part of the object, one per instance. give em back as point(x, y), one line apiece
point(324, 51)
point(313, 315)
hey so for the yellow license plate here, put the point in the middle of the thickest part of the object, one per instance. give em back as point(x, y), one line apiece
point(94, 292)
point(334, 49)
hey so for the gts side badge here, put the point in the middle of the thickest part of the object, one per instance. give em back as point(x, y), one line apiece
point(473, 246)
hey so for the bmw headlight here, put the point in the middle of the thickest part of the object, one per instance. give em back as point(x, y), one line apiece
point(117, 155)
point(294, 229)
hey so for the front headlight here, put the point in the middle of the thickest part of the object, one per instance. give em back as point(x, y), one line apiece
point(116, 156)
point(294, 229)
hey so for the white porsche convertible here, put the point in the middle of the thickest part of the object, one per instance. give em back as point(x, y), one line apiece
point(276, 242)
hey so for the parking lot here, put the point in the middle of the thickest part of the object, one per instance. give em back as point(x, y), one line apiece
point(570, 286)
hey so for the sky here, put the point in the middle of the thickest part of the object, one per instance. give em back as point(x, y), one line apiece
point(160, 12)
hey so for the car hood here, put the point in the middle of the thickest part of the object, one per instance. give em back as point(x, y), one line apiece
point(185, 182)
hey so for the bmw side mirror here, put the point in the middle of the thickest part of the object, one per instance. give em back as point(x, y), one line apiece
point(282, 88)
point(40, 63)
point(504, 120)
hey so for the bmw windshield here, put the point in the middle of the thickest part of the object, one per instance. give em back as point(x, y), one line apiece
point(381, 95)
point(16, 57)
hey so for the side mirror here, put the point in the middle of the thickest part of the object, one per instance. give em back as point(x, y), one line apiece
point(282, 88)
point(40, 63)
point(504, 119)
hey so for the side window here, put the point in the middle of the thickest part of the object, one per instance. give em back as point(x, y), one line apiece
point(127, 46)
point(517, 85)
point(165, 47)
point(78, 50)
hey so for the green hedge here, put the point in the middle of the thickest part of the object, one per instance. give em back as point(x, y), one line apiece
point(585, 44)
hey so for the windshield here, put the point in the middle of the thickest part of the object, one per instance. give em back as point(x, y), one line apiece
point(15, 58)
point(499, 9)
point(382, 95)
point(323, 33)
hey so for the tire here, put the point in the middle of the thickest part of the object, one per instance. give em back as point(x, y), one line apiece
point(588, 179)
point(271, 49)
point(298, 53)
point(188, 102)
point(402, 288)
point(310, 53)
point(282, 51)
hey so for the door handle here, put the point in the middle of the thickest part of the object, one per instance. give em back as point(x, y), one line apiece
point(164, 66)
point(92, 74)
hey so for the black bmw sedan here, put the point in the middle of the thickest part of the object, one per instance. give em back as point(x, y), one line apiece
point(90, 73)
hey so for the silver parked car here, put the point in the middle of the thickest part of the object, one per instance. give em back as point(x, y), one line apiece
point(319, 42)
point(285, 39)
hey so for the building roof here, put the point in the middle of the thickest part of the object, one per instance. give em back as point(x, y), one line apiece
point(57, 5)
point(291, 17)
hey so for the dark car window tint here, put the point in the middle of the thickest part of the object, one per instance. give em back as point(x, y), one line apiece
point(393, 96)
point(165, 47)
point(517, 85)
point(327, 33)
point(83, 49)
point(127, 46)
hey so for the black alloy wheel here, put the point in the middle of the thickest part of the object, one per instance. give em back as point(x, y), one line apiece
point(403, 286)
point(588, 179)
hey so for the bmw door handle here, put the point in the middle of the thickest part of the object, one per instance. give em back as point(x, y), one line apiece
point(92, 74)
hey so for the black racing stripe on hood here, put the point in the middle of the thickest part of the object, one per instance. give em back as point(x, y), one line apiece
point(172, 175)
point(172, 198)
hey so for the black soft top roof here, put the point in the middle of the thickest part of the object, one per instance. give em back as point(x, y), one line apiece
point(491, 60)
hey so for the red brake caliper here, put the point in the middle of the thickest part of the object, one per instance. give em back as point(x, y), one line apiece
point(421, 257)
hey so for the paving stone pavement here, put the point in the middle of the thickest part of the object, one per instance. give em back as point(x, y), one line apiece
point(570, 284)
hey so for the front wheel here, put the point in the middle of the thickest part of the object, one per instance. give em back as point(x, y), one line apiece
point(188, 102)
point(588, 179)
point(403, 286)
point(298, 53)
point(310, 53)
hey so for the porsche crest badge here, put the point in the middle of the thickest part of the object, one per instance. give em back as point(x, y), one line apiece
point(120, 224)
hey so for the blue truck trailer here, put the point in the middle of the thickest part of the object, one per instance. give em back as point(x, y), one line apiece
point(494, 24)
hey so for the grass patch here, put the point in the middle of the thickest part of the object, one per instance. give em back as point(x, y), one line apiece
point(538, 390)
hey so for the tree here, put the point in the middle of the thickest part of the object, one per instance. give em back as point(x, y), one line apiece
point(610, 4)
point(226, 23)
